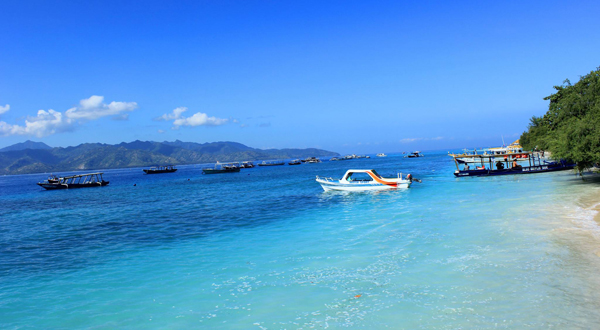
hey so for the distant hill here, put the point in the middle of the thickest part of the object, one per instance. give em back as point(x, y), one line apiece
point(89, 156)
point(27, 145)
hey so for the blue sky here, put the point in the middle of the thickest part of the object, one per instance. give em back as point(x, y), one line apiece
point(347, 76)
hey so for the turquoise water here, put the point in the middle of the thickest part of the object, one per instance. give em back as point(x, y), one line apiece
point(266, 248)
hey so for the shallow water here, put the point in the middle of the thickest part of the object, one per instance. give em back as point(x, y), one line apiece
point(267, 248)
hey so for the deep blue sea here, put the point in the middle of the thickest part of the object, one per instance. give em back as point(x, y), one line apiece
point(267, 248)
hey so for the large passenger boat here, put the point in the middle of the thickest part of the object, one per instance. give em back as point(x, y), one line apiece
point(507, 164)
point(74, 181)
point(470, 157)
point(364, 180)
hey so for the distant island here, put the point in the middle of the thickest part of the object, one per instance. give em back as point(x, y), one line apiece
point(37, 157)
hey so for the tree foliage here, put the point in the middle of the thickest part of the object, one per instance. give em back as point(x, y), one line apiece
point(570, 129)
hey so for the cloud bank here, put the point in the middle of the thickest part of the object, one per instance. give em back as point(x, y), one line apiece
point(410, 140)
point(4, 109)
point(197, 119)
point(52, 122)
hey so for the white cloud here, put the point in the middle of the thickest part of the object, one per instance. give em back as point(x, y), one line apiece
point(160, 131)
point(197, 119)
point(410, 140)
point(51, 122)
point(94, 108)
point(44, 124)
point(174, 115)
point(4, 109)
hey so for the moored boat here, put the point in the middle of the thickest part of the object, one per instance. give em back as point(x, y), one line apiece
point(414, 154)
point(247, 165)
point(364, 180)
point(508, 152)
point(381, 155)
point(507, 164)
point(160, 169)
point(221, 168)
point(295, 162)
point(274, 163)
point(74, 181)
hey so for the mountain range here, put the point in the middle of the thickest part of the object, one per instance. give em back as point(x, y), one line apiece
point(36, 157)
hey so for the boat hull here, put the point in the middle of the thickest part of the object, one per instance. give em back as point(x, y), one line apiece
point(356, 186)
point(159, 171)
point(511, 171)
point(55, 186)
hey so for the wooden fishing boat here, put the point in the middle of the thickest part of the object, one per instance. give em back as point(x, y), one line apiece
point(74, 181)
point(508, 164)
point(274, 163)
point(221, 168)
point(160, 169)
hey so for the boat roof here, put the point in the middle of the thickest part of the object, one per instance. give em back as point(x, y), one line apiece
point(489, 156)
point(81, 175)
point(359, 171)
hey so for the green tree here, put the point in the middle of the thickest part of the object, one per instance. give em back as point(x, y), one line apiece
point(570, 129)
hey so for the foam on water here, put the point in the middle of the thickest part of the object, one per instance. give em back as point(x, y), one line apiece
point(268, 249)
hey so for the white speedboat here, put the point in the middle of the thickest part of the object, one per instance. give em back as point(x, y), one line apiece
point(364, 180)
point(381, 155)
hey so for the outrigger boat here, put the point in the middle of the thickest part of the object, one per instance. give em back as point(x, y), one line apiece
point(160, 169)
point(507, 164)
point(247, 165)
point(74, 181)
point(505, 151)
point(295, 162)
point(221, 168)
point(367, 180)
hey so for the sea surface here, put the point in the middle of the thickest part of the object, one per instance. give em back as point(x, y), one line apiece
point(267, 248)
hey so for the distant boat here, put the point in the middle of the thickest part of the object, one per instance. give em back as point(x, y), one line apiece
point(160, 169)
point(247, 165)
point(295, 162)
point(381, 155)
point(364, 180)
point(221, 168)
point(311, 160)
point(74, 181)
point(414, 154)
point(274, 163)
